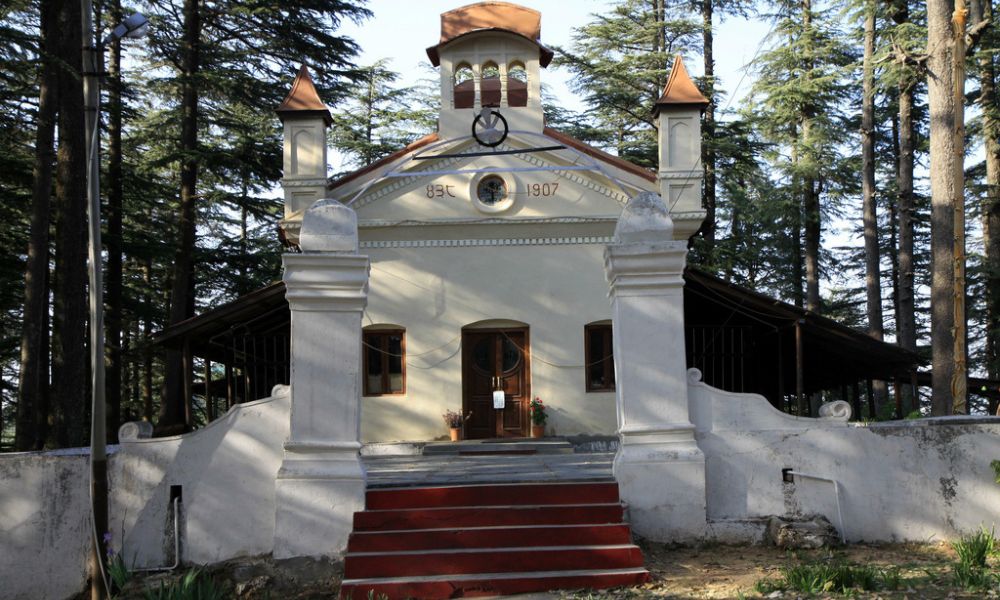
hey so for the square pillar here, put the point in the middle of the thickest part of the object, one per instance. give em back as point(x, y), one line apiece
point(321, 482)
point(659, 468)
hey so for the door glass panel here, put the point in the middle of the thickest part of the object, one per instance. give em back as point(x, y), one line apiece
point(481, 355)
point(511, 355)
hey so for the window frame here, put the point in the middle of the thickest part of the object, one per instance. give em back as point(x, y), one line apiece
point(382, 347)
point(589, 358)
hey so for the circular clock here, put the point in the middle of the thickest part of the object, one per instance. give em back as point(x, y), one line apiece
point(492, 190)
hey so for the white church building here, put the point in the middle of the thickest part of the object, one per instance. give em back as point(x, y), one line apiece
point(491, 262)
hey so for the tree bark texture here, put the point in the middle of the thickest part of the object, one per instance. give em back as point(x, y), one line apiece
point(708, 129)
point(113, 240)
point(873, 278)
point(31, 421)
point(810, 187)
point(172, 409)
point(943, 158)
point(70, 389)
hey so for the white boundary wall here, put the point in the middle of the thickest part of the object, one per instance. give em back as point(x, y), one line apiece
point(919, 480)
point(226, 472)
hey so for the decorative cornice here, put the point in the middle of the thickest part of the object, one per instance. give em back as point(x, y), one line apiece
point(295, 182)
point(371, 223)
point(547, 241)
point(645, 269)
point(326, 281)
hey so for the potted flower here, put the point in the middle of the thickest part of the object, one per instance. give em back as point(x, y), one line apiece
point(538, 418)
point(454, 421)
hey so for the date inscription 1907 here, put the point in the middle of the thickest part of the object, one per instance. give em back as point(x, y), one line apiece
point(542, 189)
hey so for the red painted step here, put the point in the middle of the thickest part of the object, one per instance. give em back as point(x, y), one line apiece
point(485, 495)
point(490, 537)
point(489, 584)
point(484, 516)
point(486, 540)
point(491, 560)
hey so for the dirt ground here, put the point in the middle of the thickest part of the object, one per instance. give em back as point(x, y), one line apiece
point(731, 571)
point(679, 573)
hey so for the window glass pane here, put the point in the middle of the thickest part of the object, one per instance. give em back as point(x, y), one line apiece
point(373, 364)
point(395, 359)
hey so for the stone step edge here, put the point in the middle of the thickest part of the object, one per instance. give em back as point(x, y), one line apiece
point(480, 549)
point(450, 483)
point(476, 576)
point(487, 527)
point(490, 506)
point(480, 484)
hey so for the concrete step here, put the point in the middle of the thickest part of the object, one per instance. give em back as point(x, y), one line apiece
point(490, 537)
point(446, 541)
point(485, 516)
point(466, 561)
point(515, 446)
point(489, 584)
point(484, 495)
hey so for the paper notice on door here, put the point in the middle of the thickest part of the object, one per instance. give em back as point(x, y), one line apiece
point(498, 399)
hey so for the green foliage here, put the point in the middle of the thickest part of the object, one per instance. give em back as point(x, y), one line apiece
point(972, 569)
point(822, 577)
point(193, 585)
point(974, 549)
point(377, 118)
point(620, 64)
point(996, 469)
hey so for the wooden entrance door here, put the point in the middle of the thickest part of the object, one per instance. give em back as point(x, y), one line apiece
point(495, 359)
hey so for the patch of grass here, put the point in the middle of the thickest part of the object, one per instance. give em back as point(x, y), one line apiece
point(996, 469)
point(841, 578)
point(974, 550)
point(193, 585)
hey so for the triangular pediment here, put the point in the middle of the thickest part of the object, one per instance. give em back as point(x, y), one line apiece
point(439, 183)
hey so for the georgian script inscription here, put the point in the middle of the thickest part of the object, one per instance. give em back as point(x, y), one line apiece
point(437, 190)
point(542, 189)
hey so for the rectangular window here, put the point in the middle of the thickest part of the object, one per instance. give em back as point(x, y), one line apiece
point(600, 363)
point(385, 362)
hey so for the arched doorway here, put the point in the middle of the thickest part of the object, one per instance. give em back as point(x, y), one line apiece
point(496, 356)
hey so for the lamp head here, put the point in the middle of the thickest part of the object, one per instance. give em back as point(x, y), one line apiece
point(132, 27)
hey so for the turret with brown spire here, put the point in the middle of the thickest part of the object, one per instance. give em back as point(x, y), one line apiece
point(305, 118)
point(678, 114)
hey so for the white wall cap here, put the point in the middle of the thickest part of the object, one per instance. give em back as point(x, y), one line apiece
point(644, 219)
point(329, 226)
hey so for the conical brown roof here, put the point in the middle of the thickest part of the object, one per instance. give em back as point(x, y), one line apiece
point(680, 90)
point(303, 99)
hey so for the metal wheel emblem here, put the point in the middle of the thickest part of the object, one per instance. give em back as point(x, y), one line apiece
point(485, 128)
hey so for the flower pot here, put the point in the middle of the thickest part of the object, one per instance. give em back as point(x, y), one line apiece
point(456, 433)
point(537, 431)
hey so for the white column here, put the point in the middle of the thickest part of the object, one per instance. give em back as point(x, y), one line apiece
point(321, 482)
point(659, 467)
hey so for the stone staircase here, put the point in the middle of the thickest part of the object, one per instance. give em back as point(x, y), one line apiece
point(492, 539)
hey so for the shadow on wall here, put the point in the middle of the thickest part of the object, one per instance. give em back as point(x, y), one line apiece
point(914, 480)
point(226, 473)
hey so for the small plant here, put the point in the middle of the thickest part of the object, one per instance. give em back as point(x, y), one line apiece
point(118, 573)
point(818, 578)
point(974, 549)
point(193, 585)
point(996, 469)
point(538, 416)
point(454, 419)
point(971, 570)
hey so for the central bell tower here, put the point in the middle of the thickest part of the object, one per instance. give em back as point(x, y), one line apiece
point(490, 55)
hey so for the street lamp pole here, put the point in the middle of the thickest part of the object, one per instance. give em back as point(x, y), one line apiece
point(93, 67)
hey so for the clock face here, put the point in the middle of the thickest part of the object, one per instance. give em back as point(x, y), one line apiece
point(491, 190)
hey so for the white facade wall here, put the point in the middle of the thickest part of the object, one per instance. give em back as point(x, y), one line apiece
point(555, 289)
